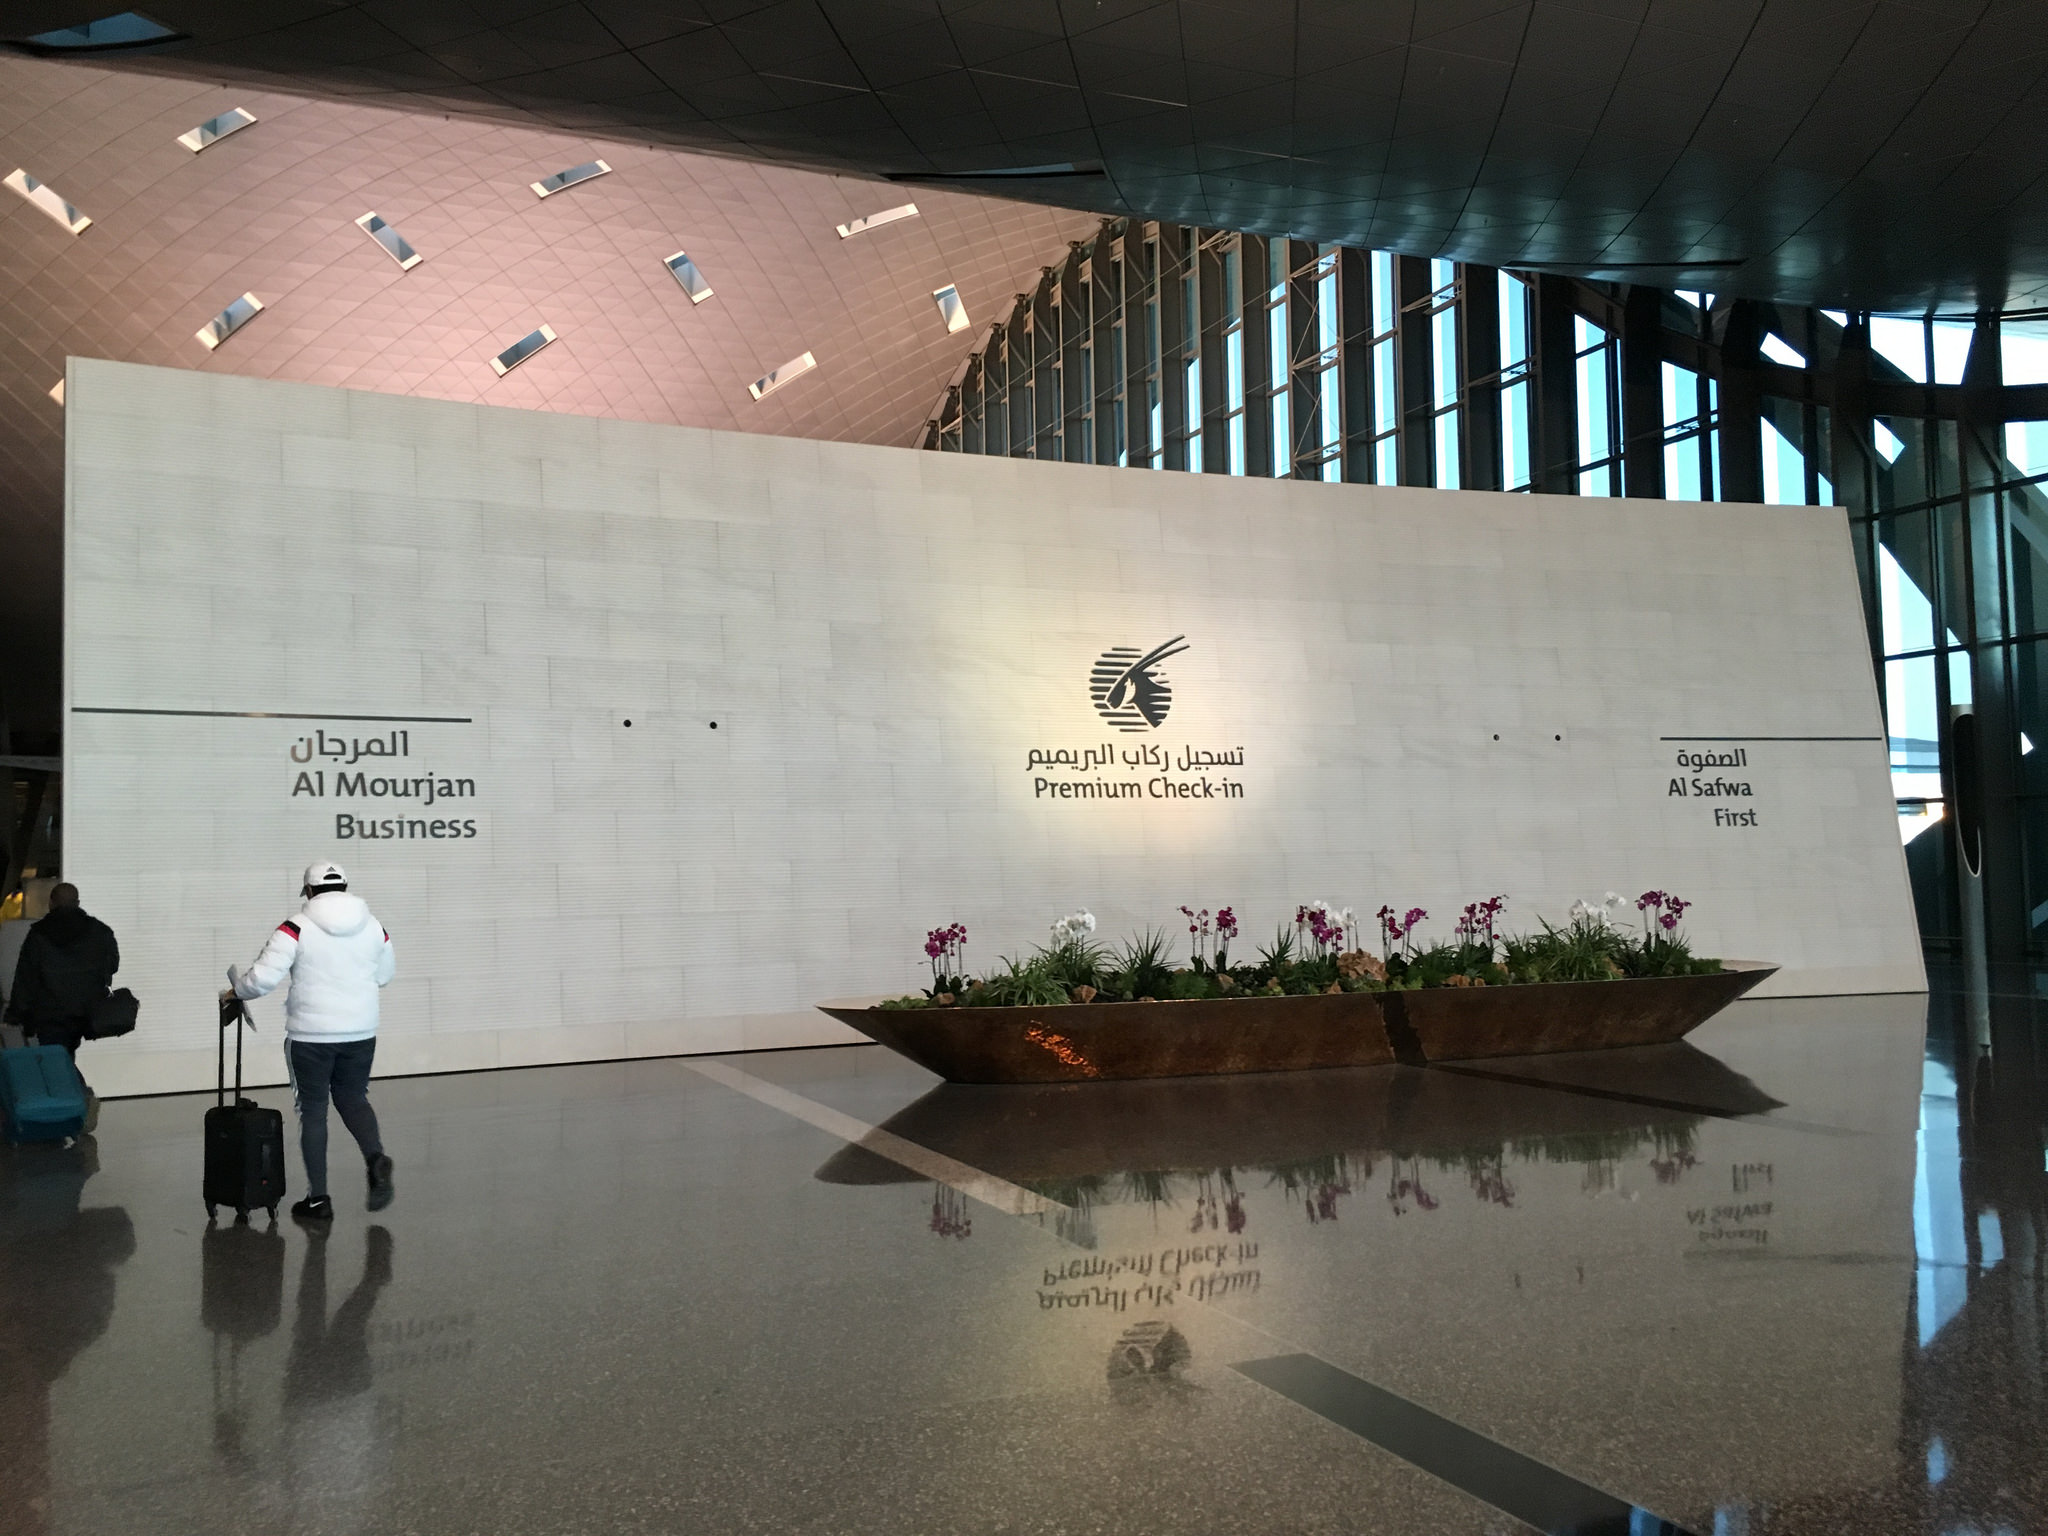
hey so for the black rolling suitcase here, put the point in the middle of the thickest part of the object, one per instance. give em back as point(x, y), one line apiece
point(244, 1141)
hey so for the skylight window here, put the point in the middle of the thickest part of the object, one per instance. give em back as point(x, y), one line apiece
point(950, 308)
point(229, 321)
point(561, 181)
point(46, 199)
point(521, 350)
point(877, 220)
point(392, 241)
point(684, 271)
point(1889, 443)
point(1902, 343)
point(1778, 350)
point(774, 379)
point(130, 29)
point(214, 129)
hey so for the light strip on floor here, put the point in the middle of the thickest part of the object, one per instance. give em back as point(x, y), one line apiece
point(229, 321)
point(214, 129)
point(1530, 1490)
point(877, 220)
point(48, 201)
point(521, 350)
point(562, 180)
point(999, 1194)
point(775, 378)
point(392, 241)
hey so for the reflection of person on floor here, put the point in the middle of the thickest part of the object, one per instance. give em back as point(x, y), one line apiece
point(56, 1296)
point(333, 1444)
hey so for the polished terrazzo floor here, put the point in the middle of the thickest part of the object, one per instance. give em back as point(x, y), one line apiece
point(1786, 1278)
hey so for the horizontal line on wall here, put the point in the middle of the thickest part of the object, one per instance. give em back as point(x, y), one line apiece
point(1770, 738)
point(272, 714)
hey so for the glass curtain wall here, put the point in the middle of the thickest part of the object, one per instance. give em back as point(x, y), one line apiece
point(1167, 347)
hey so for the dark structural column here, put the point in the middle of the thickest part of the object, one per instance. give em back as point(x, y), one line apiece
point(1109, 367)
point(1354, 358)
point(1479, 455)
point(1554, 390)
point(1137, 286)
point(2007, 922)
point(995, 373)
point(1742, 450)
point(1849, 457)
point(1418, 427)
point(973, 428)
point(1252, 280)
point(1045, 362)
point(1642, 393)
point(1174, 342)
point(1073, 313)
point(1211, 274)
point(1304, 399)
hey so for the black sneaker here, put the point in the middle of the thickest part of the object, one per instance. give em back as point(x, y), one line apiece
point(313, 1209)
point(381, 1189)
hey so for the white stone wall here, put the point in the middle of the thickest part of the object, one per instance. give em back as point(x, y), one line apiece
point(1438, 696)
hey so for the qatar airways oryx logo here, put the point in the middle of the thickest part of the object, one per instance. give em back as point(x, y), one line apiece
point(1128, 688)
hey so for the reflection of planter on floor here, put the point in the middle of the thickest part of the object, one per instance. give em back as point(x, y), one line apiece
point(1082, 1042)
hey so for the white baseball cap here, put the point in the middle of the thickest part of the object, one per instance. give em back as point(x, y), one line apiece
point(323, 873)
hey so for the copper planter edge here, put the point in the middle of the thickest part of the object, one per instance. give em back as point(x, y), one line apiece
point(1082, 1042)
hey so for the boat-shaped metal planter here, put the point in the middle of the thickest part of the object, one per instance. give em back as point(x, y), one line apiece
point(1082, 1042)
point(1079, 1042)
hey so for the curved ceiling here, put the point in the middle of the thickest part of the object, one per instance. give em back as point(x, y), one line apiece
point(1881, 154)
point(177, 235)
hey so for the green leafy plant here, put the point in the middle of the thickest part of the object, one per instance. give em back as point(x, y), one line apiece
point(1138, 968)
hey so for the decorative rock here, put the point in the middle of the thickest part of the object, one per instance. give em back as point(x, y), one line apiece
point(1353, 964)
point(1084, 994)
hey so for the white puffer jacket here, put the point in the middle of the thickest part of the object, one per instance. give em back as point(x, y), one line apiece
point(337, 956)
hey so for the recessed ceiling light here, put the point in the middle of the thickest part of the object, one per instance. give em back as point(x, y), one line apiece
point(214, 129)
point(950, 307)
point(773, 380)
point(685, 272)
point(229, 321)
point(521, 350)
point(877, 220)
point(563, 180)
point(47, 200)
point(393, 242)
point(130, 29)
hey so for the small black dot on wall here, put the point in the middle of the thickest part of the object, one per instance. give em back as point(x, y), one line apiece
point(714, 725)
point(1557, 738)
point(1496, 735)
point(629, 725)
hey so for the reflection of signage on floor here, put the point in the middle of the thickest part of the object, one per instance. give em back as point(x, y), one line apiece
point(1734, 1223)
point(1703, 779)
point(1203, 1272)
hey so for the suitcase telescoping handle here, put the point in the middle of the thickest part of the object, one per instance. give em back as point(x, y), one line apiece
point(233, 1015)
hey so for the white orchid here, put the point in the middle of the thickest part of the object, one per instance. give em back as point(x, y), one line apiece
point(1075, 925)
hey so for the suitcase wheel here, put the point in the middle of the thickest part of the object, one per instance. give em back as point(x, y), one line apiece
point(209, 1213)
point(273, 1215)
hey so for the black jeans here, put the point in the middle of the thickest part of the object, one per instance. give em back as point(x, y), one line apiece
point(340, 1071)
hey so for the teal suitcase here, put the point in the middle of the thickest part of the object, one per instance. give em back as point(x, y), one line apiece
point(41, 1094)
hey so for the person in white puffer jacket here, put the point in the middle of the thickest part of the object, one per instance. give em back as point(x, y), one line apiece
point(337, 956)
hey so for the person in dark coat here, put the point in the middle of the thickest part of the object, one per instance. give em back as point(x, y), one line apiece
point(67, 964)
